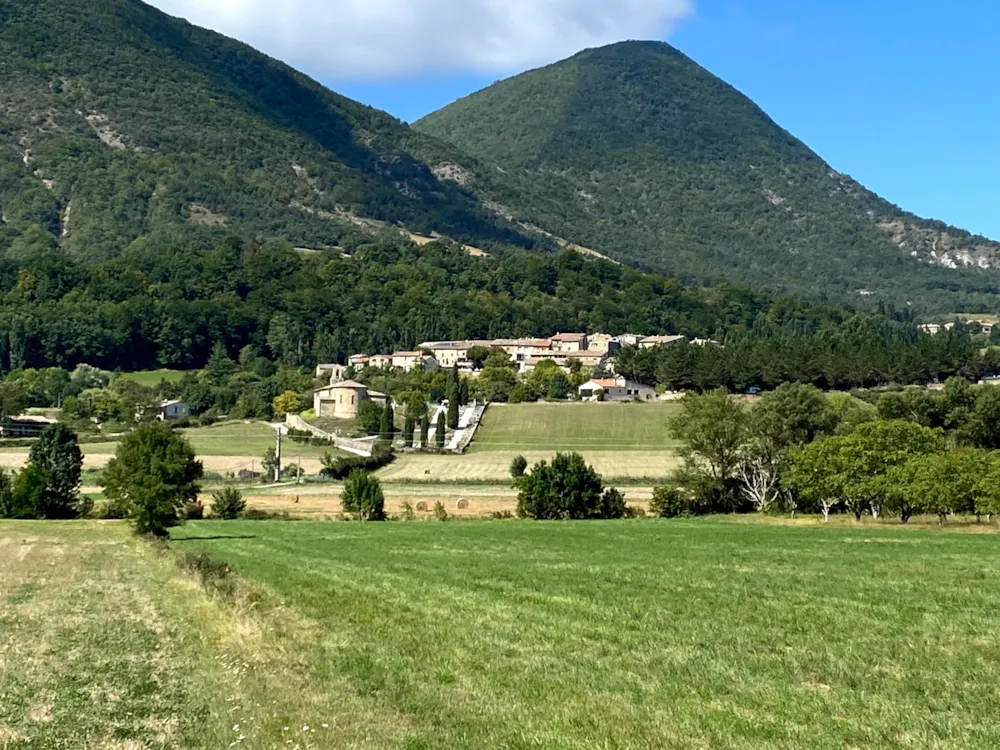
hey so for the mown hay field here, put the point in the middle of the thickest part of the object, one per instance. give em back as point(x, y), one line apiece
point(585, 427)
point(643, 634)
point(494, 466)
point(631, 634)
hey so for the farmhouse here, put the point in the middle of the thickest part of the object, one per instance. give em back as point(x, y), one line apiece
point(174, 409)
point(342, 400)
point(616, 389)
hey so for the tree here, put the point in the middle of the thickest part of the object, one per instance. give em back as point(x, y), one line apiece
point(369, 417)
point(13, 399)
point(453, 394)
point(363, 496)
point(228, 504)
point(566, 488)
point(153, 474)
point(287, 403)
point(789, 417)
point(10, 505)
point(558, 387)
point(518, 466)
point(939, 483)
point(408, 430)
point(439, 432)
point(855, 470)
point(387, 428)
point(58, 457)
point(425, 431)
point(220, 366)
point(270, 465)
point(712, 430)
point(987, 502)
point(477, 356)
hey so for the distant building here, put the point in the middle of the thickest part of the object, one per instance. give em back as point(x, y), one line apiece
point(174, 409)
point(342, 400)
point(332, 372)
point(650, 342)
point(25, 426)
point(409, 361)
point(358, 360)
point(380, 361)
point(616, 389)
point(563, 359)
point(569, 342)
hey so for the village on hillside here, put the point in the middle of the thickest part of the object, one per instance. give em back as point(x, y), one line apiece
point(592, 352)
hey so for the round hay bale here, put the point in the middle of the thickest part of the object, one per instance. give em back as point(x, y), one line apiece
point(462, 503)
point(422, 507)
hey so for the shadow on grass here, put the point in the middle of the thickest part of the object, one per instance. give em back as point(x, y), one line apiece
point(215, 538)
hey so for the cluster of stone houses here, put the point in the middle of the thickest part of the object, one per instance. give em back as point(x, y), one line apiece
point(984, 327)
point(342, 398)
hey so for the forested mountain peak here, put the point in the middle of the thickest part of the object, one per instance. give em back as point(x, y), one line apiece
point(120, 123)
point(650, 158)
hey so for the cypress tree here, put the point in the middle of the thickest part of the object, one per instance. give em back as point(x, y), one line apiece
point(408, 432)
point(425, 432)
point(439, 435)
point(387, 430)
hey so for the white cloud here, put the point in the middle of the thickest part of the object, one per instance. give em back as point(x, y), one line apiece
point(397, 38)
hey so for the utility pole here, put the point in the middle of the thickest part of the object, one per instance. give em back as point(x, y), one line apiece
point(277, 458)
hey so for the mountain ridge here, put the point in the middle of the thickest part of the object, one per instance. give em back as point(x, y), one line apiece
point(671, 165)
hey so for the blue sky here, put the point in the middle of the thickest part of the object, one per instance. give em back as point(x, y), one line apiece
point(901, 95)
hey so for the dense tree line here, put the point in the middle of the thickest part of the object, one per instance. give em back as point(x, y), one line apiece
point(798, 450)
point(863, 352)
point(170, 306)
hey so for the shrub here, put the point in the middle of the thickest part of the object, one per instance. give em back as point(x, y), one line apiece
point(566, 488)
point(344, 466)
point(408, 514)
point(363, 496)
point(671, 502)
point(518, 466)
point(257, 514)
point(213, 574)
point(501, 515)
point(193, 511)
point(613, 504)
point(439, 512)
point(228, 504)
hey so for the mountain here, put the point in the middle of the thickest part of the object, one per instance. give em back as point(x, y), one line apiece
point(638, 152)
point(126, 131)
point(121, 125)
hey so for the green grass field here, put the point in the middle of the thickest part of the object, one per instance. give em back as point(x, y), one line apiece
point(640, 634)
point(231, 439)
point(575, 427)
point(152, 378)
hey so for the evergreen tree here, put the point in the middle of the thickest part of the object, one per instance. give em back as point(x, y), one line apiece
point(408, 430)
point(387, 429)
point(425, 431)
point(58, 457)
point(439, 434)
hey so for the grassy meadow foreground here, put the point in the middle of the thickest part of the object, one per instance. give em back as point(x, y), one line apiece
point(642, 634)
